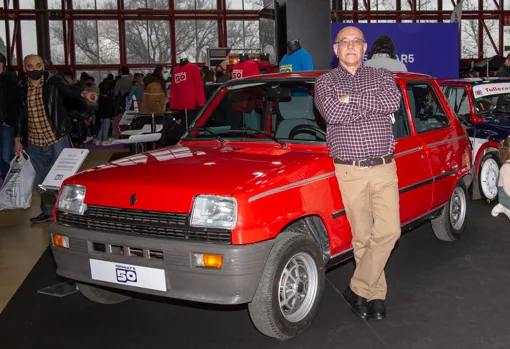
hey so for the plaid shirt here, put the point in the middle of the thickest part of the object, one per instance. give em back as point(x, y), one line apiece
point(39, 129)
point(362, 128)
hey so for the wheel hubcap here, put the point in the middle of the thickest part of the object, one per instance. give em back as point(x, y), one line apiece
point(298, 287)
point(458, 208)
point(489, 174)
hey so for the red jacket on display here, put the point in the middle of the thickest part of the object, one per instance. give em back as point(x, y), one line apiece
point(187, 89)
point(244, 69)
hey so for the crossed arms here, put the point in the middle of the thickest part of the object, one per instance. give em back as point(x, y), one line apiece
point(356, 106)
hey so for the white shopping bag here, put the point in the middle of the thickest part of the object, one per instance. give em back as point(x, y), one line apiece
point(18, 184)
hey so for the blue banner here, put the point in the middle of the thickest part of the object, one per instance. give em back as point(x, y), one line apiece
point(427, 48)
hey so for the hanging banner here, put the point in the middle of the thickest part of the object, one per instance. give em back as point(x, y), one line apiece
point(426, 48)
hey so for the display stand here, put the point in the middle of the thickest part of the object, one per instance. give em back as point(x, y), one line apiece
point(67, 165)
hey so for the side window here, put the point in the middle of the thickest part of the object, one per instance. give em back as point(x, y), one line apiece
point(459, 101)
point(401, 127)
point(427, 112)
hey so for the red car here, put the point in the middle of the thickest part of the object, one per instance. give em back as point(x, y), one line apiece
point(483, 108)
point(246, 208)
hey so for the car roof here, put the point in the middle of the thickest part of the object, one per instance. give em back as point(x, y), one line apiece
point(314, 74)
point(475, 81)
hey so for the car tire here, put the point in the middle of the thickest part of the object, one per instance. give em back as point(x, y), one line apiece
point(101, 295)
point(281, 317)
point(488, 177)
point(453, 219)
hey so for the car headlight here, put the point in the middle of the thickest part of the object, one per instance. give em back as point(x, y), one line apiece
point(214, 212)
point(71, 199)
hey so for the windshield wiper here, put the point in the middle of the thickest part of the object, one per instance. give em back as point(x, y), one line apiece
point(204, 128)
point(259, 132)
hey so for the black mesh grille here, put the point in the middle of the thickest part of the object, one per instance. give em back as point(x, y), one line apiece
point(147, 223)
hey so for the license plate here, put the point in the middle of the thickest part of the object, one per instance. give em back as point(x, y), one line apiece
point(127, 274)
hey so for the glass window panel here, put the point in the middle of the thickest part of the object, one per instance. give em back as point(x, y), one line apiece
point(243, 35)
point(55, 4)
point(57, 42)
point(27, 4)
point(29, 35)
point(94, 4)
point(206, 4)
point(469, 38)
point(154, 4)
point(493, 29)
point(253, 4)
point(347, 5)
point(99, 75)
point(3, 39)
point(194, 37)
point(184, 5)
point(109, 48)
point(234, 4)
point(148, 42)
point(426, 5)
point(447, 5)
point(85, 40)
point(380, 5)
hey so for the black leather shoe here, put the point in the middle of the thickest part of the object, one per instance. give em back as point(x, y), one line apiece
point(359, 305)
point(42, 218)
point(377, 309)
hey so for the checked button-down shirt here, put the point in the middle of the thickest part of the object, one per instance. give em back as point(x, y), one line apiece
point(39, 128)
point(362, 128)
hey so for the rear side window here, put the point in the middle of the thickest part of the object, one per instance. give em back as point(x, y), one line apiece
point(427, 111)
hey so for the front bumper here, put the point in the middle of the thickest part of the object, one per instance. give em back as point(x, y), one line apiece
point(234, 283)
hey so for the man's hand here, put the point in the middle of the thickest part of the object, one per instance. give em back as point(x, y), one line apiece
point(344, 99)
point(18, 148)
point(90, 96)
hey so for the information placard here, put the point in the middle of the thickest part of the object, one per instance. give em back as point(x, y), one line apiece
point(67, 165)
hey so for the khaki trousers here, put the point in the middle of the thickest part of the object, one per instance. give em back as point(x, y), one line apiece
point(371, 199)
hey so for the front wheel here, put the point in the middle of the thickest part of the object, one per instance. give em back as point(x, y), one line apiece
point(453, 219)
point(488, 177)
point(290, 289)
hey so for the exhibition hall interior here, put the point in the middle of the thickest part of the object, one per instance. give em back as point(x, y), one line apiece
point(254, 174)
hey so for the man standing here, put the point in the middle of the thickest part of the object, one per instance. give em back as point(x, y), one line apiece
point(504, 70)
point(356, 102)
point(9, 111)
point(44, 123)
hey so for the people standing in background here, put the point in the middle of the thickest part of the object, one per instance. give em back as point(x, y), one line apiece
point(44, 122)
point(105, 114)
point(92, 107)
point(504, 70)
point(154, 96)
point(135, 96)
point(504, 180)
point(383, 55)
point(9, 112)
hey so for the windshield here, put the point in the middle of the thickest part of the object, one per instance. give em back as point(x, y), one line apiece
point(276, 111)
point(492, 100)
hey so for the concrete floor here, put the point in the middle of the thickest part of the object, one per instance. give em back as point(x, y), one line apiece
point(22, 244)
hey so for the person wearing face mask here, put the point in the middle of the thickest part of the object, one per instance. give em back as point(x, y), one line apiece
point(154, 96)
point(43, 125)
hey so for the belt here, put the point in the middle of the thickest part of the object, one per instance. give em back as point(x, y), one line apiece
point(385, 159)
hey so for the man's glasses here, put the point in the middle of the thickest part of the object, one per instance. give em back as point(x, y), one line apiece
point(355, 42)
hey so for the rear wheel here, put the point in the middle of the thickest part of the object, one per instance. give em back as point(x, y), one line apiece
point(488, 177)
point(453, 219)
point(288, 297)
point(100, 295)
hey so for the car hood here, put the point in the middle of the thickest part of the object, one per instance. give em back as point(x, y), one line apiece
point(168, 179)
point(496, 128)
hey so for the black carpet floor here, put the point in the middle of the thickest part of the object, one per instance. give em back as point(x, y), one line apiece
point(441, 295)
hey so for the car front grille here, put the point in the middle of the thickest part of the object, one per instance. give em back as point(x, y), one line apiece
point(145, 223)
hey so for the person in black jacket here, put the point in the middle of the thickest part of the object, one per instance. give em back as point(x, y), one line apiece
point(8, 112)
point(44, 124)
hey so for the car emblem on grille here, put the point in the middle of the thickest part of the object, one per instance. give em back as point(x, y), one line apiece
point(132, 199)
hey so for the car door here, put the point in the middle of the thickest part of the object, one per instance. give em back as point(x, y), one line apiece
point(413, 168)
point(435, 129)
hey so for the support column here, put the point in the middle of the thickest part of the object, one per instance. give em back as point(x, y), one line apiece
point(42, 26)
